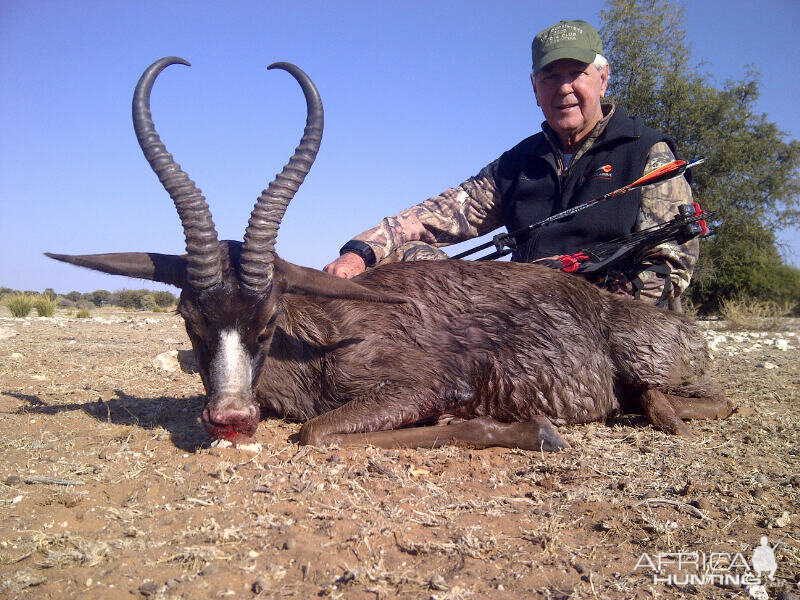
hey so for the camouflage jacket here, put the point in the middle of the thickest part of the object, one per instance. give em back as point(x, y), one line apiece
point(473, 208)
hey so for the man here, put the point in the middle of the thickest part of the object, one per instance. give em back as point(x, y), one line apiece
point(585, 149)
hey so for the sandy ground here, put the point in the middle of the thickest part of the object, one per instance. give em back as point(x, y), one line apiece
point(109, 489)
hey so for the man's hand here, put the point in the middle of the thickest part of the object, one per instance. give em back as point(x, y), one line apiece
point(347, 266)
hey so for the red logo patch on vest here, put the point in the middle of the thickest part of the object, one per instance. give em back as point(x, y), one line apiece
point(603, 172)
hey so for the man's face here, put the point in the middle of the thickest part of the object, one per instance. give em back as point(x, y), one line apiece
point(569, 93)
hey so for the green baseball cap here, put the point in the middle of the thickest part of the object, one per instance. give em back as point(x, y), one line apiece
point(566, 39)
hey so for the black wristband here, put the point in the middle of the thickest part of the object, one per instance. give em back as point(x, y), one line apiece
point(362, 249)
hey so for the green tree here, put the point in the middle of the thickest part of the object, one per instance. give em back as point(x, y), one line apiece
point(100, 297)
point(751, 176)
point(49, 293)
point(164, 299)
point(129, 298)
point(73, 296)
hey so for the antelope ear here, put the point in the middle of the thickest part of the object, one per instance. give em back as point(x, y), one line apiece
point(165, 268)
point(311, 282)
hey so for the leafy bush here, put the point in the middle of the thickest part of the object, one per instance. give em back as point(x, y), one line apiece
point(147, 302)
point(45, 306)
point(164, 299)
point(19, 304)
point(131, 299)
point(100, 297)
point(82, 314)
point(742, 262)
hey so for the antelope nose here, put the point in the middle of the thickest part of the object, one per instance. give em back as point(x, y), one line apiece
point(229, 411)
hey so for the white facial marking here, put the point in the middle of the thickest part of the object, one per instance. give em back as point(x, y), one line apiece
point(231, 368)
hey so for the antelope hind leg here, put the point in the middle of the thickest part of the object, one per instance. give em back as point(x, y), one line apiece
point(661, 414)
point(700, 408)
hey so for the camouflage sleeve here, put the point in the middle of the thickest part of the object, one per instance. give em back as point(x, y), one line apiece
point(659, 204)
point(460, 213)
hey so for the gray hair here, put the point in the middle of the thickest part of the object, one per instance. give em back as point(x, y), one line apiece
point(600, 62)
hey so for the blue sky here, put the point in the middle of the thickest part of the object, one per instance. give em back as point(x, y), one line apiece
point(418, 96)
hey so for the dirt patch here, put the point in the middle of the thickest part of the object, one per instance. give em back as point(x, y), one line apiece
point(108, 488)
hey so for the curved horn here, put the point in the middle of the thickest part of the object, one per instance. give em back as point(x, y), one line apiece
point(204, 268)
point(258, 252)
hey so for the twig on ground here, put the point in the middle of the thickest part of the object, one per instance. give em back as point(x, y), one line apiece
point(695, 511)
point(50, 480)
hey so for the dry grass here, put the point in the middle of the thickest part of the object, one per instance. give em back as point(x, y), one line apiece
point(747, 313)
point(19, 304)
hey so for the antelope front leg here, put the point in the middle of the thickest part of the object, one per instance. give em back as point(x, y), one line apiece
point(361, 424)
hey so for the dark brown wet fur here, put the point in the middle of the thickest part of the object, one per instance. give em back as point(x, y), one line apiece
point(513, 342)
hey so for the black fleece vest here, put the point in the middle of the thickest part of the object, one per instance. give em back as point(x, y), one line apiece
point(532, 190)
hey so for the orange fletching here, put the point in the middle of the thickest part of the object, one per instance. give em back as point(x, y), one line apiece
point(676, 167)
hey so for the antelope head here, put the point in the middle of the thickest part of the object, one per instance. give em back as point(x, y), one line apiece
point(230, 291)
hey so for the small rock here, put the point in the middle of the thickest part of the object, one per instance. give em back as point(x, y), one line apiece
point(6, 333)
point(762, 479)
point(783, 520)
point(259, 585)
point(13, 480)
point(579, 567)
point(167, 361)
point(172, 583)
point(16, 356)
point(254, 447)
point(701, 503)
point(148, 588)
point(757, 592)
point(766, 365)
point(438, 583)
point(210, 569)
point(288, 544)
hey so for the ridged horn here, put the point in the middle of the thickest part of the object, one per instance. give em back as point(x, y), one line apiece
point(204, 268)
point(258, 252)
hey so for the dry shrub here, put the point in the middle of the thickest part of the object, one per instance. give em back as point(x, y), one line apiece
point(749, 313)
point(19, 304)
point(45, 306)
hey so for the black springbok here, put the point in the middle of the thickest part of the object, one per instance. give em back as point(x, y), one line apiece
point(413, 354)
